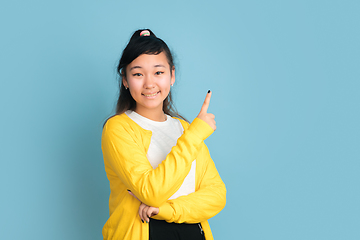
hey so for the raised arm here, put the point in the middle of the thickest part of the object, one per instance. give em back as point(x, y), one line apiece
point(124, 148)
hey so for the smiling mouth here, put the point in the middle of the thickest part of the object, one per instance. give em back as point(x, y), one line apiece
point(150, 95)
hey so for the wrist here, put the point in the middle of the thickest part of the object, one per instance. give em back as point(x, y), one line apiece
point(200, 128)
point(165, 212)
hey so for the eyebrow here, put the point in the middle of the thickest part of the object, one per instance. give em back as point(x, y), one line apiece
point(158, 65)
point(134, 67)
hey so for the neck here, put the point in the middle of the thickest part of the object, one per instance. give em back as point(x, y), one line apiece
point(158, 116)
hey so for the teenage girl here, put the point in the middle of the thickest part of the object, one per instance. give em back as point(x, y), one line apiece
point(163, 182)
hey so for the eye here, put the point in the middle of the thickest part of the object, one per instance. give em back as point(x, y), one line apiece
point(137, 74)
point(159, 73)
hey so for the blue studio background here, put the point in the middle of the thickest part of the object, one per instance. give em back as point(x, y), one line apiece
point(285, 81)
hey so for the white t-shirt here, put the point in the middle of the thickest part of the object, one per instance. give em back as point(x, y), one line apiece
point(164, 137)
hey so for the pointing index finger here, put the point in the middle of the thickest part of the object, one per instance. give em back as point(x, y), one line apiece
point(205, 106)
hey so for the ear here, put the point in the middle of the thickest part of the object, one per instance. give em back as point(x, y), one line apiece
point(125, 82)
point(172, 81)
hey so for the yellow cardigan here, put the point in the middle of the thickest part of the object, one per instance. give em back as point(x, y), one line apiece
point(124, 146)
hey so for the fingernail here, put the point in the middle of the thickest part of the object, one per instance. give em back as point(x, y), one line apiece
point(142, 221)
point(146, 221)
point(209, 91)
point(128, 190)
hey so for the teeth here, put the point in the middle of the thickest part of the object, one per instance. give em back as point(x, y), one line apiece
point(150, 95)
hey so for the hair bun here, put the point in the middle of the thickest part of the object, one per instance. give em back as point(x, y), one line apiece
point(144, 33)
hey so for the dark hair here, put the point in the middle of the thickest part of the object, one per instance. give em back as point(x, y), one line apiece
point(142, 45)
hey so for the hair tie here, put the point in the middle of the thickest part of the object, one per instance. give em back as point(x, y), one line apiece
point(145, 33)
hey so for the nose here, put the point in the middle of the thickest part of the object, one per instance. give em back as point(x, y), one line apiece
point(149, 81)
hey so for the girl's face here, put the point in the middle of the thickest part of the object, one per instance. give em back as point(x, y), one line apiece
point(149, 78)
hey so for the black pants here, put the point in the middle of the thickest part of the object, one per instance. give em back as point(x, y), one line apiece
point(162, 230)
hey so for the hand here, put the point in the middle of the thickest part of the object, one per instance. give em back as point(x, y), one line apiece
point(204, 115)
point(146, 212)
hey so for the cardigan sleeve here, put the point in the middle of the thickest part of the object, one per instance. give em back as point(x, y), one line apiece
point(126, 157)
point(207, 201)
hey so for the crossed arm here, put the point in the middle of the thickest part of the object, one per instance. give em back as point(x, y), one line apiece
point(207, 201)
